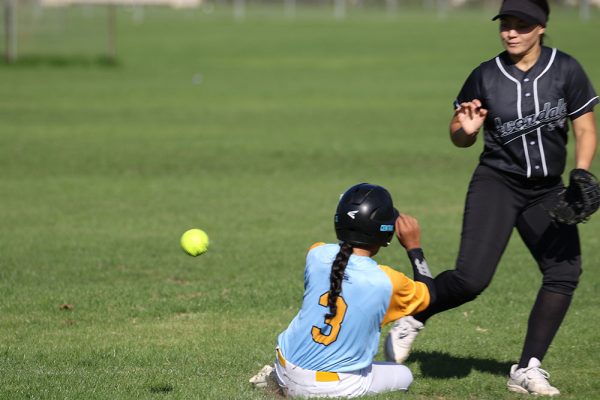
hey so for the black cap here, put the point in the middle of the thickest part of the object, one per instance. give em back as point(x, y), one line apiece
point(532, 11)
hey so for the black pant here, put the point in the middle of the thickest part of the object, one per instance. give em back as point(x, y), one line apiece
point(496, 203)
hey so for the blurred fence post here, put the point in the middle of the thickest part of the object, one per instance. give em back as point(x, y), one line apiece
point(442, 8)
point(289, 8)
point(339, 9)
point(239, 9)
point(391, 7)
point(10, 30)
point(584, 9)
point(112, 31)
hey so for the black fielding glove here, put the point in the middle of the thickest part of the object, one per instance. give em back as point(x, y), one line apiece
point(578, 201)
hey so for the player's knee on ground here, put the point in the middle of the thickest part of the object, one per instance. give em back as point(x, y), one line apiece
point(388, 377)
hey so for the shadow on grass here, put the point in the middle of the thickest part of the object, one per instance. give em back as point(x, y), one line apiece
point(442, 365)
point(61, 61)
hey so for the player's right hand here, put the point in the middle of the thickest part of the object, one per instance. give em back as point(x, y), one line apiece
point(471, 116)
point(408, 232)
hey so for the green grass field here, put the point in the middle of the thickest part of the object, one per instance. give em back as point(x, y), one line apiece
point(249, 130)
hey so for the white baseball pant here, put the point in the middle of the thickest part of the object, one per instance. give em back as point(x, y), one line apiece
point(379, 377)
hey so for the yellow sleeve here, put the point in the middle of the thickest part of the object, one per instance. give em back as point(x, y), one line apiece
point(408, 297)
point(315, 245)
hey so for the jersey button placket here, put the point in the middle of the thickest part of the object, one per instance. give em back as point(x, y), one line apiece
point(532, 149)
point(527, 87)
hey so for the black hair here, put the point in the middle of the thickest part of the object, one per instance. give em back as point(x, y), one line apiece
point(337, 276)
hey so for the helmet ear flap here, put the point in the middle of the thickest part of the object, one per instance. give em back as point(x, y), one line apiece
point(365, 216)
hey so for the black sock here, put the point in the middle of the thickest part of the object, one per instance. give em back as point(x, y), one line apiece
point(545, 319)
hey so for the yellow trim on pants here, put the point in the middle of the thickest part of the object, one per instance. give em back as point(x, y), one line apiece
point(320, 376)
point(325, 376)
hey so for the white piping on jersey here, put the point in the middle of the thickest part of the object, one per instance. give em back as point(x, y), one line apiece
point(583, 106)
point(526, 155)
point(519, 113)
point(542, 154)
point(537, 110)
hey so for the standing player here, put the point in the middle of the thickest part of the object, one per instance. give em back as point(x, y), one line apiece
point(328, 348)
point(523, 98)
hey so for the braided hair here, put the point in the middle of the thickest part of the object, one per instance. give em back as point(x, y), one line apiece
point(337, 276)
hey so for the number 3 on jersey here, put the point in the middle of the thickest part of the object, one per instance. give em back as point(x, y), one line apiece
point(335, 323)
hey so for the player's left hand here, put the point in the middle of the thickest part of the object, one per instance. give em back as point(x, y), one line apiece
point(408, 232)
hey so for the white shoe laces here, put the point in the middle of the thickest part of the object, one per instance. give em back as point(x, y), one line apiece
point(404, 329)
point(402, 332)
point(533, 379)
point(537, 374)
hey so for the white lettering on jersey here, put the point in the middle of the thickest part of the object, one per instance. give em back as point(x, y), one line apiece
point(423, 268)
point(548, 116)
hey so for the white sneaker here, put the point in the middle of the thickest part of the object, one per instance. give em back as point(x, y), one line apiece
point(532, 380)
point(261, 379)
point(400, 339)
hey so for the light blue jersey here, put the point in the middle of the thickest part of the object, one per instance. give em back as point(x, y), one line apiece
point(349, 341)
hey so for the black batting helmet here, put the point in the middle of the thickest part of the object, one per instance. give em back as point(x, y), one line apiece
point(365, 216)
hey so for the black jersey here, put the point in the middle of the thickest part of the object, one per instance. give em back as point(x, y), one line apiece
point(526, 126)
